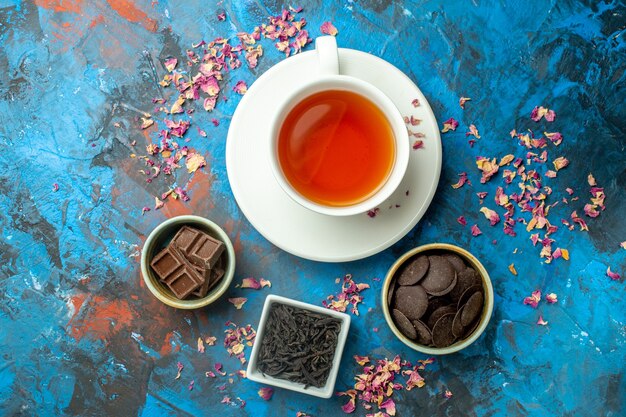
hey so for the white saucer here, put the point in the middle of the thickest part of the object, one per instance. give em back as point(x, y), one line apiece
point(296, 229)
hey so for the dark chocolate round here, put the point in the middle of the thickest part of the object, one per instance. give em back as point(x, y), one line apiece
point(442, 332)
point(468, 293)
point(440, 275)
point(456, 261)
point(390, 291)
point(446, 290)
point(465, 279)
point(424, 336)
point(411, 301)
point(472, 308)
point(470, 329)
point(413, 271)
point(404, 324)
point(440, 312)
point(457, 326)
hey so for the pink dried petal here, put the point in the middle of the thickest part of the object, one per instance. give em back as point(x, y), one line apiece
point(534, 299)
point(328, 28)
point(550, 116)
point(200, 345)
point(473, 131)
point(250, 283)
point(361, 360)
point(488, 168)
point(266, 393)
point(461, 220)
point(556, 138)
point(190, 387)
point(55, 187)
point(201, 132)
point(241, 87)
point(590, 210)
point(560, 163)
point(569, 191)
point(265, 283)
point(491, 215)
point(238, 302)
point(221, 16)
point(415, 102)
point(372, 213)
point(447, 394)
point(462, 181)
point(350, 406)
point(209, 103)
point(591, 180)
point(623, 244)
point(462, 101)
point(613, 275)
point(144, 210)
point(389, 406)
point(218, 368)
point(418, 144)
point(541, 321)
point(170, 64)
point(210, 374)
point(476, 231)
point(158, 203)
point(210, 340)
point(551, 298)
point(449, 124)
point(550, 174)
point(179, 367)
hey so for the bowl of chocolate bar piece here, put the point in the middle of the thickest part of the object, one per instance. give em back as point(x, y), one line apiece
point(437, 298)
point(188, 262)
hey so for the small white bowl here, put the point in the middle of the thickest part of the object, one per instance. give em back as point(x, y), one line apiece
point(255, 375)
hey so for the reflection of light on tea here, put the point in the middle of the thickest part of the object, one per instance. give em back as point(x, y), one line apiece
point(336, 148)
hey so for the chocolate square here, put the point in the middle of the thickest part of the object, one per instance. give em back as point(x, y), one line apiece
point(206, 251)
point(184, 282)
point(186, 238)
point(165, 263)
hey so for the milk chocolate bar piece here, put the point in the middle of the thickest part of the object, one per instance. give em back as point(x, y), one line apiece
point(176, 272)
point(206, 251)
point(213, 277)
point(199, 248)
point(186, 238)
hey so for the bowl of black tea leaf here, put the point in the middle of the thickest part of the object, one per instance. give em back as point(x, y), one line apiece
point(298, 346)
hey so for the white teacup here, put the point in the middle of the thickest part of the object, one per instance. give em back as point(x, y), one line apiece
point(330, 79)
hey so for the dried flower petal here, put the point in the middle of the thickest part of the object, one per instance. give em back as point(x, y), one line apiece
point(556, 138)
point(210, 340)
point(534, 299)
point(623, 244)
point(146, 123)
point(361, 360)
point(541, 321)
point(241, 87)
point(462, 101)
point(265, 283)
point(389, 406)
point(560, 163)
point(190, 387)
point(350, 406)
point(476, 231)
point(266, 393)
point(512, 269)
point(328, 28)
point(179, 367)
point(238, 302)
point(613, 275)
point(418, 144)
point(473, 131)
point(158, 203)
point(144, 210)
point(200, 345)
point(462, 180)
point(449, 124)
point(55, 187)
point(491, 215)
point(551, 298)
point(350, 295)
point(195, 161)
point(170, 64)
point(250, 283)
point(415, 102)
point(539, 112)
point(221, 16)
point(448, 394)
point(461, 220)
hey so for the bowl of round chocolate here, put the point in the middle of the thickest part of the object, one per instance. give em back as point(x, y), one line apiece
point(188, 262)
point(437, 298)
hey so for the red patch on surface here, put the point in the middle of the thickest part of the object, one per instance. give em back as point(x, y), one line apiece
point(130, 12)
point(61, 5)
point(98, 317)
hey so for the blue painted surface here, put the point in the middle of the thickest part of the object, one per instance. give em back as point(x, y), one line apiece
point(80, 335)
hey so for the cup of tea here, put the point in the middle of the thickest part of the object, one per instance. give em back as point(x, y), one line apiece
point(339, 145)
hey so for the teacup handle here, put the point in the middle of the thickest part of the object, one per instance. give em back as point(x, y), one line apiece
point(327, 55)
